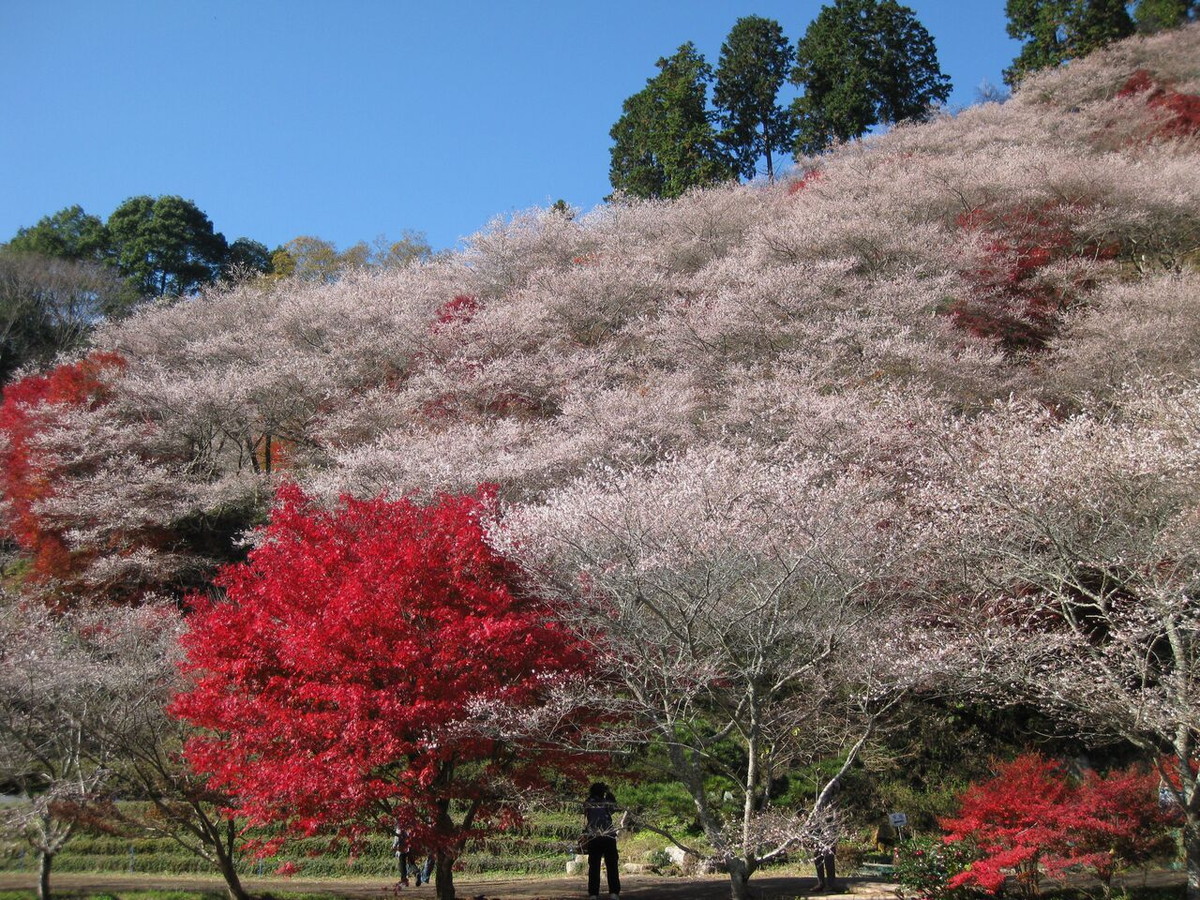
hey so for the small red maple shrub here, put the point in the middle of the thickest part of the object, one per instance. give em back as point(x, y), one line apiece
point(1032, 818)
point(25, 477)
point(459, 311)
point(1180, 112)
point(1009, 302)
point(344, 678)
point(1122, 820)
point(809, 177)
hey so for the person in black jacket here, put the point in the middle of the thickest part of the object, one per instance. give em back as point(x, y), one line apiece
point(600, 840)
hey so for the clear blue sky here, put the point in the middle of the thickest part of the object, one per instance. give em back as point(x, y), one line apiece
point(347, 119)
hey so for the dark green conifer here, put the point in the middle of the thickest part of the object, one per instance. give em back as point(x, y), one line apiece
point(756, 61)
point(664, 143)
point(863, 63)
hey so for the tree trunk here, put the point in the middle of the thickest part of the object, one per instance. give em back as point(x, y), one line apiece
point(45, 861)
point(444, 877)
point(739, 879)
point(1191, 853)
point(233, 882)
point(222, 839)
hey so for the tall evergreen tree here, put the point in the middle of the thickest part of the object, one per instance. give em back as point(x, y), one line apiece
point(1155, 15)
point(1054, 31)
point(863, 63)
point(756, 60)
point(664, 143)
point(166, 246)
point(905, 76)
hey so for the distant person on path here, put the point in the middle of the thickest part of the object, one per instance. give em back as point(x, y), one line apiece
point(406, 859)
point(600, 840)
point(400, 850)
point(424, 874)
point(825, 868)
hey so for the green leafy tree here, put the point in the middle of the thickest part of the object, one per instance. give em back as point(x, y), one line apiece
point(906, 78)
point(68, 234)
point(166, 246)
point(756, 61)
point(413, 247)
point(664, 143)
point(310, 258)
point(1054, 31)
point(863, 63)
point(1156, 15)
point(247, 256)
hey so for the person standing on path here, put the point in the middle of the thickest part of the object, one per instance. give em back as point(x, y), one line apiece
point(600, 840)
point(826, 872)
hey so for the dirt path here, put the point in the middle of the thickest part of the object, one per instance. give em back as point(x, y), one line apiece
point(633, 887)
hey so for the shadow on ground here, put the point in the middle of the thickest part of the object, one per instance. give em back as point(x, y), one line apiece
point(633, 887)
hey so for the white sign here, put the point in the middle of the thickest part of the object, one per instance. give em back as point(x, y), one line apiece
point(898, 820)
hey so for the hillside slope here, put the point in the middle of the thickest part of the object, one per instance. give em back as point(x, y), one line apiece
point(1044, 249)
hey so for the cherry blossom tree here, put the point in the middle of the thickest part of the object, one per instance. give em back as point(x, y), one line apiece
point(105, 505)
point(379, 666)
point(734, 601)
point(1075, 543)
point(31, 407)
point(68, 684)
point(146, 751)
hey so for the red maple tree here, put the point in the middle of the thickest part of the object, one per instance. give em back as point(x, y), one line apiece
point(1032, 818)
point(28, 409)
point(376, 666)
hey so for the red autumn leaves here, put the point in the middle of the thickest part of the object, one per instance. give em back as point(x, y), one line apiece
point(342, 677)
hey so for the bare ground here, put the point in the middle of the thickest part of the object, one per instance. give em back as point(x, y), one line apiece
point(633, 887)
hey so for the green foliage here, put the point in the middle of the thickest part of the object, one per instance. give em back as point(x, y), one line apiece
point(924, 865)
point(314, 259)
point(863, 63)
point(832, 67)
point(537, 848)
point(413, 247)
point(756, 60)
point(665, 804)
point(247, 256)
point(1156, 15)
point(664, 143)
point(165, 246)
point(1054, 31)
point(68, 234)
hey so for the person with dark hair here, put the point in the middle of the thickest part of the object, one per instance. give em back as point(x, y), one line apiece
point(600, 840)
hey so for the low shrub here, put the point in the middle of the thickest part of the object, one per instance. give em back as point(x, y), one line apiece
point(924, 865)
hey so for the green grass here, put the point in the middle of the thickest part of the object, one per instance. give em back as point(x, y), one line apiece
point(541, 848)
point(123, 895)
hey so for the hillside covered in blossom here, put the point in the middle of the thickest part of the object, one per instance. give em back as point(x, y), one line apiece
point(952, 367)
point(1043, 250)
